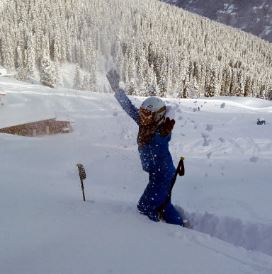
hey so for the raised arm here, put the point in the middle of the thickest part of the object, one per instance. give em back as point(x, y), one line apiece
point(121, 96)
point(126, 104)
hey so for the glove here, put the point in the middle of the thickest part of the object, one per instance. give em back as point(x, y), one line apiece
point(114, 79)
point(167, 127)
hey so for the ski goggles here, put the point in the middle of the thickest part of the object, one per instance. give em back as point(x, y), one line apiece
point(147, 117)
point(145, 113)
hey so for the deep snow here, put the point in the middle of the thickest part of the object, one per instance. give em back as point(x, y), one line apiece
point(46, 228)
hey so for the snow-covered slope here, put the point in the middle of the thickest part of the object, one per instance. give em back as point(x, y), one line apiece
point(46, 228)
point(252, 16)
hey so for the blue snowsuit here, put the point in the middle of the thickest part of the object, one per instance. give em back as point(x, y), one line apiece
point(157, 161)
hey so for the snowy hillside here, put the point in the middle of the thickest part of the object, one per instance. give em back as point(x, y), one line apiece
point(46, 228)
point(252, 16)
point(182, 54)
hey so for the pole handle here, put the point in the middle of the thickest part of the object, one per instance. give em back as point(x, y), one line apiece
point(180, 168)
point(82, 176)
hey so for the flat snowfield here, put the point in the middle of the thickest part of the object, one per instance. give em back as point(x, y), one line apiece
point(46, 228)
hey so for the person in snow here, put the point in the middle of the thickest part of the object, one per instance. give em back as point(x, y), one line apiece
point(153, 139)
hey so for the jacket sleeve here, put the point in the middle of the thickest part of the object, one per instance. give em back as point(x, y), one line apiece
point(126, 104)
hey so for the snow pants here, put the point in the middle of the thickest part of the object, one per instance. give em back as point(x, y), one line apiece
point(155, 194)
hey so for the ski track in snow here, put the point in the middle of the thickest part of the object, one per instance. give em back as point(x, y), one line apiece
point(251, 236)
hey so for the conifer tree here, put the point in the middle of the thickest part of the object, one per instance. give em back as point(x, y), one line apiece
point(48, 72)
point(210, 86)
point(85, 83)
point(8, 53)
point(30, 57)
point(269, 95)
point(77, 78)
point(92, 81)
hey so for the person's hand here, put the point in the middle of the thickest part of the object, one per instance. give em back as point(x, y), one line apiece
point(114, 79)
point(167, 126)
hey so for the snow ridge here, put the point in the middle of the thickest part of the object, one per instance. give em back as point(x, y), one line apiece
point(252, 236)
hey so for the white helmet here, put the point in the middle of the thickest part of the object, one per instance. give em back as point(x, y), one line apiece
point(152, 109)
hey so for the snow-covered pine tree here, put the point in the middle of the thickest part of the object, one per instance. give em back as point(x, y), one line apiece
point(77, 84)
point(240, 83)
point(7, 52)
point(48, 72)
point(210, 86)
point(226, 81)
point(92, 80)
point(85, 83)
point(20, 64)
point(57, 57)
point(269, 95)
point(30, 56)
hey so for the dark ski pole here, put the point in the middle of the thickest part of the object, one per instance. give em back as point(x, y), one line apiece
point(180, 170)
point(82, 176)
